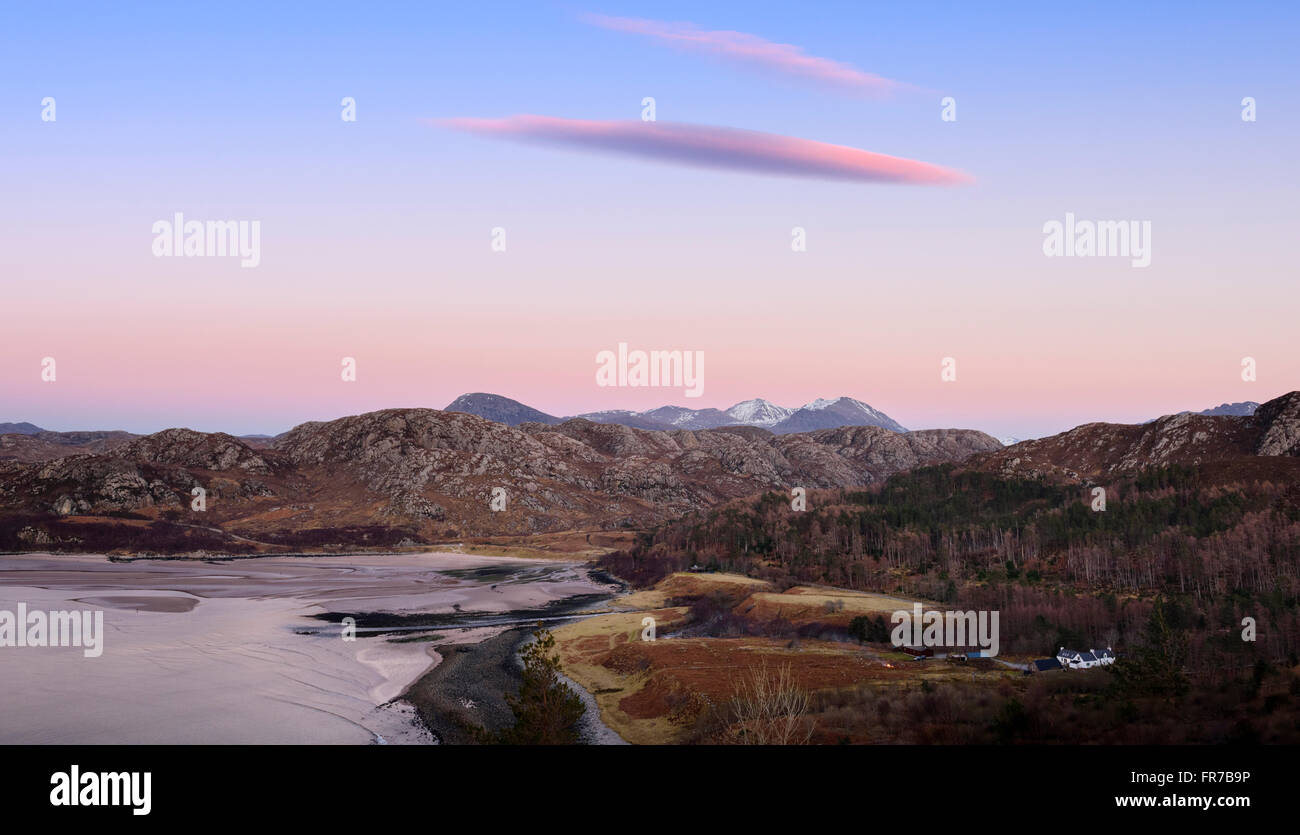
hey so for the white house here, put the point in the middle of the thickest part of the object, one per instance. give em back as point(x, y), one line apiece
point(1075, 660)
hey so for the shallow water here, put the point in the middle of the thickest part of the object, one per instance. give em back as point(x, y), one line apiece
point(199, 652)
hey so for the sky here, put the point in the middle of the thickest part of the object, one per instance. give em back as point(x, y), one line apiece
point(924, 236)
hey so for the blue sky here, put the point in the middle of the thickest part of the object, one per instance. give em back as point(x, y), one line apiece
point(1109, 110)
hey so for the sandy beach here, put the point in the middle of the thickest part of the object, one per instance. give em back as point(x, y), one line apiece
point(229, 651)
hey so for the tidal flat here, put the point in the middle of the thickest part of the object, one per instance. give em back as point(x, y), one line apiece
point(211, 651)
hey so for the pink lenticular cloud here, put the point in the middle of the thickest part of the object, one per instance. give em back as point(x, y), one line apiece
point(717, 147)
point(751, 49)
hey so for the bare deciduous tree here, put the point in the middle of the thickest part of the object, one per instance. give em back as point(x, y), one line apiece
point(768, 708)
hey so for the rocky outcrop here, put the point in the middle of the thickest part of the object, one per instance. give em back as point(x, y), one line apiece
point(875, 452)
point(187, 448)
point(1279, 424)
point(91, 484)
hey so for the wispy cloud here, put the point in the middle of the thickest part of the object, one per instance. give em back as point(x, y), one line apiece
point(716, 147)
point(750, 49)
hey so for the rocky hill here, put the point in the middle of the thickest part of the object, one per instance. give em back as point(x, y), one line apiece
point(498, 408)
point(426, 475)
point(44, 445)
point(1100, 451)
point(23, 428)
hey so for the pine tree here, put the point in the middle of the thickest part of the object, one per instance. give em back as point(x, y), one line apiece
point(547, 711)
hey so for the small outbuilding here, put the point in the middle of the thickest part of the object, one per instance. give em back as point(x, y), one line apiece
point(1076, 660)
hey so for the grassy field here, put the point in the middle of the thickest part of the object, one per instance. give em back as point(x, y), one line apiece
point(803, 604)
point(684, 584)
point(664, 691)
point(584, 646)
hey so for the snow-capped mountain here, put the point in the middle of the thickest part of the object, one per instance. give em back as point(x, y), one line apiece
point(828, 414)
point(758, 412)
point(625, 417)
point(781, 420)
point(819, 414)
point(818, 404)
point(681, 417)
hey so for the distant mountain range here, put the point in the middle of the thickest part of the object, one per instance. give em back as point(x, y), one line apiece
point(1245, 408)
point(27, 442)
point(412, 476)
point(780, 420)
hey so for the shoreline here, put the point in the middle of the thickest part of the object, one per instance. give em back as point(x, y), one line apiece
point(522, 546)
point(468, 685)
point(200, 556)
